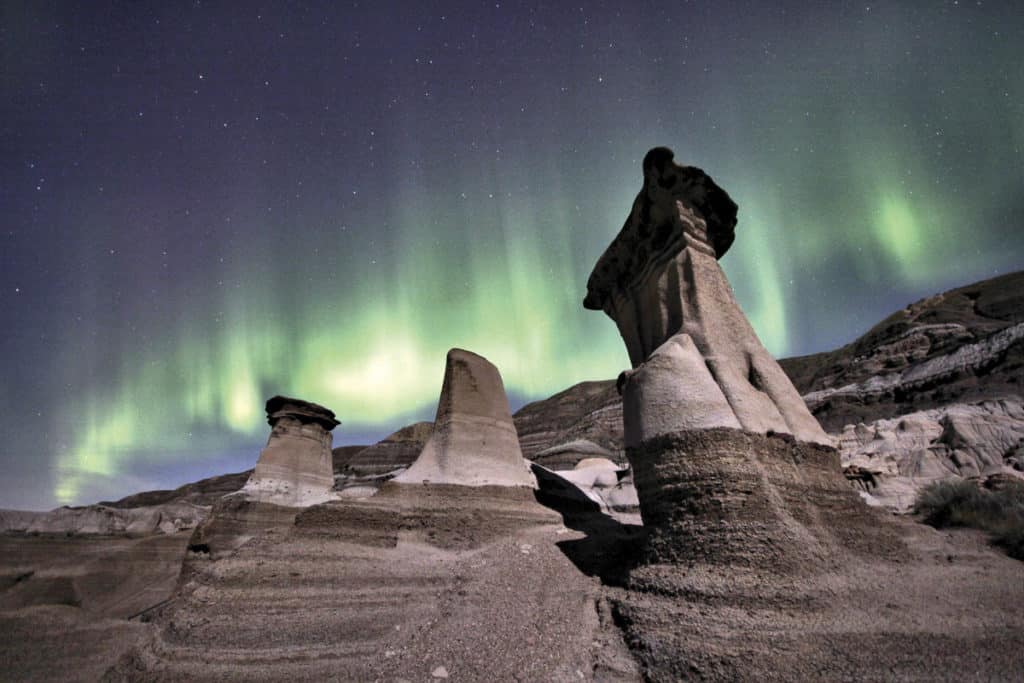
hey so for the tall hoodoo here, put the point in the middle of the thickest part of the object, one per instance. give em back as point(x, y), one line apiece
point(697, 362)
point(474, 442)
point(295, 466)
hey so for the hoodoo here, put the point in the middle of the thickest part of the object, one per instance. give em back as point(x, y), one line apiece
point(474, 441)
point(295, 466)
point(697, 362)
point(715, 432)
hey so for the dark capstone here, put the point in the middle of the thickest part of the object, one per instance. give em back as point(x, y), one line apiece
point(303, 411)
point(639, 241)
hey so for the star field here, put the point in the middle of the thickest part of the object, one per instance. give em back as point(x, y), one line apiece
point(208, 204)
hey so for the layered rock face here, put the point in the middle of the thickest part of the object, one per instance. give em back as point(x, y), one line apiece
point(588, 411)
point(729, 498)
point(697, 361)
point(388, 588)
point(885, 397)
point(959, 346)
point(103, 520)
point(566, 456)
point(295, 468)
point(395, 451)
point(474, 441)
point(932, 392)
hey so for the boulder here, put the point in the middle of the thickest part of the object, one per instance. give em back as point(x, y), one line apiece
point(295, 469)
point(474, 441)
point(604, 482)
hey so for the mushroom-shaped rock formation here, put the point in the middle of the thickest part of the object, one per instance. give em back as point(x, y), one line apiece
point(295, 467)
point(697, 361)
point(474, 441)
point(717, 437)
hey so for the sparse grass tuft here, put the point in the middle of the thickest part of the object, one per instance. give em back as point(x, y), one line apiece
point(962, 503)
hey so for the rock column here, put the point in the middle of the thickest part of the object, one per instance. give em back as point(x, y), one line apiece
point(697, 362)
point(295, 467)
point(730, 466)
point(474, 442)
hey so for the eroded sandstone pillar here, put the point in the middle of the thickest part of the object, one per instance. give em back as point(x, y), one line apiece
point(697, 362)
point(474, 442)
point(731, 469)
point(295, 466)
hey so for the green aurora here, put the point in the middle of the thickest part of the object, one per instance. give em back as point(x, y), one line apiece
point(324, 209)
point(514, 297)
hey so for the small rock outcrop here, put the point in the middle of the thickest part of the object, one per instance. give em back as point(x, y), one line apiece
point(905, 454)
point(566, 456)
point(604, 482)
point(474, 441)
point(697, 362)
point(295, 468)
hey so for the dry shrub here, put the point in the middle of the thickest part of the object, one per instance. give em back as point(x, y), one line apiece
point(959, 502)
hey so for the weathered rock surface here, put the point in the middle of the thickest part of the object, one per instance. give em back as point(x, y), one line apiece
point(697, 361)
point(759, 561)
point(474, 441)
point(395, 451)
point(892, 459)
point(111, 577)
point(341, 455)
point(295, 468)
point(100, 520)
point(140, 514)
point(960, 346)
point(921, 342)
point(730, 497)
point(762, 564)
point(594, 484)
point(203, 492)
point(565, 456)
point(235, 520)
point(398, 586)
point(590, 411)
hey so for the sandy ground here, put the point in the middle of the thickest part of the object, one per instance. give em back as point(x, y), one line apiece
point(70, 606)
point(411, 585)
point(469, 592)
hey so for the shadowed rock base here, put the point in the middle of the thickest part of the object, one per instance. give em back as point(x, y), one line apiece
point(762, 563)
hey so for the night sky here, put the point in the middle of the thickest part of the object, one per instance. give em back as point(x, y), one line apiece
point(204, 205)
